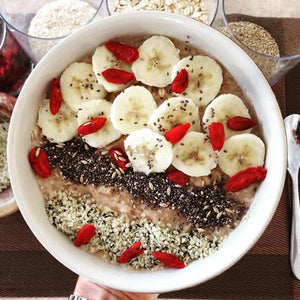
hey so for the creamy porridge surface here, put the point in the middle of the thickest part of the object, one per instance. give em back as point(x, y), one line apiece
point(103, 187)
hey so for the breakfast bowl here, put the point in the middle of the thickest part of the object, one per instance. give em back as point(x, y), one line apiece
point(248, 229)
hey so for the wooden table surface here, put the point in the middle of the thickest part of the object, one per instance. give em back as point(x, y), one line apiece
point(27, 270)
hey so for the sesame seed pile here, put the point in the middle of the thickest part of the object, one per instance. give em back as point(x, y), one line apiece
point(69, 211)
point(258, 41)
point(255, 37)
point(206, 207)
point(4, 179)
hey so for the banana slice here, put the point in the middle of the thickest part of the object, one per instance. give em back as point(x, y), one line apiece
point(205, 78)
point(148, 151)
point(132, 109)
point(223, 108)
point(240, 152)
point(158, 56)
point(194, 155)
point(98, 108)
point(60, 127)
point(103, 59)
point(175, 111)
point(78, 84)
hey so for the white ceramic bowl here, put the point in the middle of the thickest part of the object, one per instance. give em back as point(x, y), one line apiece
point(254, 85)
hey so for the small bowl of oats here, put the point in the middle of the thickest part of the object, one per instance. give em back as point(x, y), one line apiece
point(204, 11)
point(145, 158)
point(7, 202)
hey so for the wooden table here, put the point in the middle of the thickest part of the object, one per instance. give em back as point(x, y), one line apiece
point(27, 270)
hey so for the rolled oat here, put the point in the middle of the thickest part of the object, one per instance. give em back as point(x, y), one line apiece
point(194, 9)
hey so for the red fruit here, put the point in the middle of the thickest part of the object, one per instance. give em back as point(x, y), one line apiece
point(245, 178)
point(180, 82)
point(91, 126)
point(123, 52)
point(55, 96)
point(119, 157)
point(176, 133)
point(217, 135)
point(131, 253)
point(39, 162)
point(169, 260)
point(84, 235)
point(178, 177)
point(117, 76)
point(240, 123)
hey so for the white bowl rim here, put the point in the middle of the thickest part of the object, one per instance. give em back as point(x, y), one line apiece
point(165, 280)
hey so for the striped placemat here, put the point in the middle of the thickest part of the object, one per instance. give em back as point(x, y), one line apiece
point(27, 270)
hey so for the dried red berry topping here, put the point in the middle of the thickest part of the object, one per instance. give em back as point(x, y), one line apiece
point(240, 123)
point(130, 253)
point(217, 135)
point(245, 178)
point(117, 76)
point(55, 96)
point(178, 177)
point(176, 133)
point(91, 126)
point(119, 157)
point(125, 53)
point(39, 162)
point(169, 260)
point(84, 235)
point(180, 82)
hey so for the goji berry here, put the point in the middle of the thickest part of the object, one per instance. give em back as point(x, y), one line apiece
point(125, 53)
point(240, 123)
point(91, 126)
point(178, 177)
point(39, 162)
point(176, 133)
point(130, 253)
point(217, 135)
point(55, 96)
point(245, 178)
point(117, 76)
point(119, 157)
point(180, 82)
point(84, 235)
point(169, 260)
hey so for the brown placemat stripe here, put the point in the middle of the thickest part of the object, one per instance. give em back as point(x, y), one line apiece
point(34, 274)
point(16, 235)
point(253, 277)
point(22, 273)
point(275, 240)
point(292, 84)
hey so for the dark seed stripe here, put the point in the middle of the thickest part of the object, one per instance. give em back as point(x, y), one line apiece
point(195, 205)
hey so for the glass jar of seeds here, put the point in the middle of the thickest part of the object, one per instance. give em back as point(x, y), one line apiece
point(266, 30)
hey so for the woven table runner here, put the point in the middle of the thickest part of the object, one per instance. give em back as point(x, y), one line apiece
point(27, 270)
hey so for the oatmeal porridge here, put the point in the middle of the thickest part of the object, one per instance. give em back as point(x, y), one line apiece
point(146, 152)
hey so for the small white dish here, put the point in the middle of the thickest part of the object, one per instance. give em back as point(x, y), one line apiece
point(8, 204)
